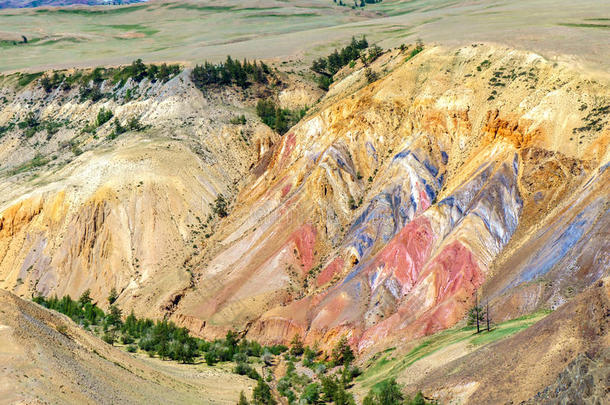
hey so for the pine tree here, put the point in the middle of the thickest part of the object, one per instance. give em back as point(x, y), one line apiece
point(296, 346)
point(242, 399)
point(112, 297)
point(85, 297)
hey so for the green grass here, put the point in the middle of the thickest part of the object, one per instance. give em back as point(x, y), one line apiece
point(214, 9)
point(37, 161)
point(27, 78)
point(126, 27)
point(389, 365)
point(277, 15)
point(585, 25)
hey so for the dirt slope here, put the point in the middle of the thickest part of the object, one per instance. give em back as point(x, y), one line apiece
point(516, 369)
point(46, 358)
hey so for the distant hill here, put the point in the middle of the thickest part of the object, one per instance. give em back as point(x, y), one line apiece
point(57, 3)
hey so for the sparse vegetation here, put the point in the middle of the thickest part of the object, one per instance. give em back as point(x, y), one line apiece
point(419, 46)
point(139, 71)
point(370, 75)
point(36, 161)
point(239, 120)
point(220, 206)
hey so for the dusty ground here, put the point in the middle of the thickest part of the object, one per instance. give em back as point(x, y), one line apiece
point(518, 367)
point(46, 358)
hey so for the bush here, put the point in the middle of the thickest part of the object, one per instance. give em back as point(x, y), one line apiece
point(242, 399)
point(373, 53)
point(50, 83)
point(277, 349)
point(262, 394)
point(109, 337)
point(132, 348)
point(103, 116)
point(127, 339)
point(239, 120)
point(388, 392)
point(112, 297)
point(370, 75)
point(240, 357)
point(92, 93)
point(419, 46)
point(133, 124)
point(210, 358)
point(311, 394)
point(220, 206)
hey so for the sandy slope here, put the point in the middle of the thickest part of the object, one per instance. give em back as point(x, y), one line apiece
point(46, 358)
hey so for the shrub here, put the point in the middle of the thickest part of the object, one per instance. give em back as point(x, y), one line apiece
point(210, 358)
point(240, 357)
point(373, 53)
point(239, 120)
point(220, 206)
point(388, 392)
point(103, 116)
point(112, 297)
point(242, 399)
point(109, 337)
point(92, 93)
point(50, 83)
point(133, 124)
point(311, 393)
point(127, 339)
point(262, 394)
point(419, 46)
point(132, 348)
point(370, 75)
point(277, 349)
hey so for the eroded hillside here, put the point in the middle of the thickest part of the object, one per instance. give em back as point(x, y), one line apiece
point(381, 215)
point(478, 171)
point(87, 208)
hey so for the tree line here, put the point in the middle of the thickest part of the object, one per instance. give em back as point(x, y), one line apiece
point(164, 339)
point(90, 81)
point(231, 72)
point(328, 66)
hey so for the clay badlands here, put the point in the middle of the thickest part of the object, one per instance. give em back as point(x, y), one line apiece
point(463, 164)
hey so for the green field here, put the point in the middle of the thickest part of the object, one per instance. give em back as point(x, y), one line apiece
point(190, 32)
point(388, 364)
